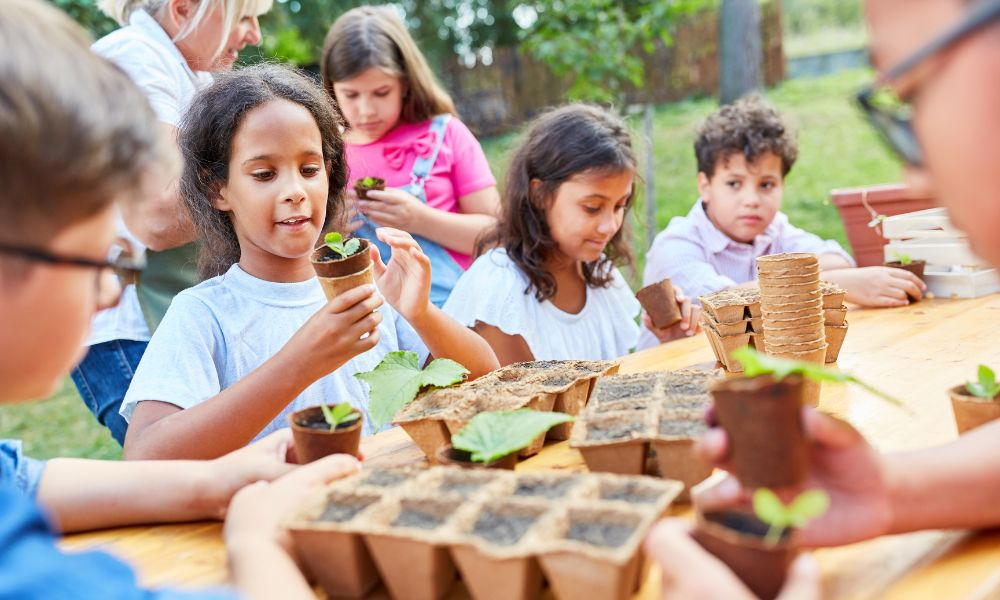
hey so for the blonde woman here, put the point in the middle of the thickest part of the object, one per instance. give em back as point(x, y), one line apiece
point(402, 128)
point(169, 49)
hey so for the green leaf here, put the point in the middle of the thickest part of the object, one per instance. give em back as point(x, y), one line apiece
point(339, 414)
point(769, 508)
point(368, 181)
point(986, 387)
point(493, 435)
point(397, 380)
point(807, 506)
point(329, 416)
point(352, 246)
point(333, 237)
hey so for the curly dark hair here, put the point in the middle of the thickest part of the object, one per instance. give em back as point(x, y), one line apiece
point(750, 127)
point(559, 144)
point(206, 141)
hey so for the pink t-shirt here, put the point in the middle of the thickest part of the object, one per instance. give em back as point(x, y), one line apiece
point(460, 168)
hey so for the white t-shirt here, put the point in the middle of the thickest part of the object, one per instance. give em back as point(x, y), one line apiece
point(146, 53)
point(222, 329)
point(492, 291)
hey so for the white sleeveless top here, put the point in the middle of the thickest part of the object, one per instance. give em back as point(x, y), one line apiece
point(492, 291)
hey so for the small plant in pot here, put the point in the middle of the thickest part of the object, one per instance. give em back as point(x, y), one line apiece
point(493, 439)
point(761, 413)
point(907, 263)
point(760, 546)
point(976, 402)
point(366, 184)
point(342, 264)
point(323, 430)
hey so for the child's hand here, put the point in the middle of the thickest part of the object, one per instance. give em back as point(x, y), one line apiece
point(877, 286)
point(257, 510)
point(395, 208)
point(406, 280)
point(333, 335)
point(265, 460)
point(688, 325)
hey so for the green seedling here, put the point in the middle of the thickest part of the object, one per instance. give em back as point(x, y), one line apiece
point(368, 182)
point(338, 415)
point(903, 259)
point(986, 387)
point(771, 510)
point(397, 380)
point(493, 435)
point(755, 363)
point(335, 242)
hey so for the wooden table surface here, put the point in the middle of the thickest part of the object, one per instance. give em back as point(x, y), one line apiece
point(916, 353)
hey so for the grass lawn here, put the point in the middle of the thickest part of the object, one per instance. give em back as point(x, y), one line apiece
point(837, 149)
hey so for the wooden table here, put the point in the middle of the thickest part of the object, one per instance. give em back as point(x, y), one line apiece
point(916, 353)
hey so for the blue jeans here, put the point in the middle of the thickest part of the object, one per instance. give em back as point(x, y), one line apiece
point(103, 378)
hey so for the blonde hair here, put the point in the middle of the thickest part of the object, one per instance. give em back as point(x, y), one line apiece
point(232, 12)
point(369, 36)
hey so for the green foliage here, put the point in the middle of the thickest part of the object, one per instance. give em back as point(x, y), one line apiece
point(754, 364)
point(807, 16)
point(594, 41)
point(86, 13)
point(339, 414)
point(335, 242)
point(904, 259)
point(368, 181)
point(492, 435)
point(397, 380)
point(769, 508)
point(287, 45)
point(986, 387)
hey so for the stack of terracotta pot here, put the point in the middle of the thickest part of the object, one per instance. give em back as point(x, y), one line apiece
point(791, 303)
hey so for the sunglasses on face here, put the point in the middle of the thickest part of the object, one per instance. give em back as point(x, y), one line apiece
point(891, 116)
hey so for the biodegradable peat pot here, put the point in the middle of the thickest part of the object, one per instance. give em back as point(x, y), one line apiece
point(737, 539)
point(338, 275)
point(660, 304)
point(460, 458)
point(971, 411)
point(786, 264)
point(835, 335)
point(676, 459)
point(314, 440)
point(541, 403)
point(430, 435)
point(835, 316)
point(571, 402)
point(617, 442)
point(916, 267)
point(763, 419)
point(362, 190)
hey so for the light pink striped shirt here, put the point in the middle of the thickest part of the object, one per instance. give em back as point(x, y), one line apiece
point(700, 259)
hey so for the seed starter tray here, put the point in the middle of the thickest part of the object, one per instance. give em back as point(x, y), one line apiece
point(505, 534)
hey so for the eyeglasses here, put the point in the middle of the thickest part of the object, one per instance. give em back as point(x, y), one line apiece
point(892, 117)
point(121, 263)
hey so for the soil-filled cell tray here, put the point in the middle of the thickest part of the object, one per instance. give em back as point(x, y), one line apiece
point(344, 507)
point(615, 428)
point(548, 486)
point(386, 478)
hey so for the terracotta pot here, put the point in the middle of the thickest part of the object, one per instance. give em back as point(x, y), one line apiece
point(660, 303)
point(312, 444)
point(763, 419)
point(362, 190)
point(460, 458)
point(866, 242)
point(970, 411)
point(736, 538)
point(916, 267)
point(342, 274)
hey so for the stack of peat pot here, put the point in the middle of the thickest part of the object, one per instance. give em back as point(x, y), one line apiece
point(791, 303)
point(731, 320)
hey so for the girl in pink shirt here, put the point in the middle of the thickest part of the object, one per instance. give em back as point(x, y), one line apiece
point(402, 128)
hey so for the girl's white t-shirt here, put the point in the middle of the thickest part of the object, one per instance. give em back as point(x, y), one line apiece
point(146, 53)
point(493, 291)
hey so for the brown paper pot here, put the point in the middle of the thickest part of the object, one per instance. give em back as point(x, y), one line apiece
point(341, 267)
point(754, 308)
point(447, 455)
point(971, 412)
point(570, 402)
point(659, 302)
point(834, 300)
point(770, 274)
point(338, 561)
point(362, 190)
point(713, 342)
point(676, 459)
point(802, 291)
point(785, 262)
point(313, 444)
point(763, 419)
point(429, 435)
point(760, 567)
point(625, 458)
point(835, 338)
point(541, 403)
point(916, 267)
point(803, 332)
point(757, 324)
point(835, 316)
point(728, 314)
point(410, 568)
point(334, 286)
point(736, 328)
point(573, 575)
point(489, 578)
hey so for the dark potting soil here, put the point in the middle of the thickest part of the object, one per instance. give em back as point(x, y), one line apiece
point(462, 487)
point(743, 523)
point(613, 431)
point(697, 403)
point(610, 535)
point(502, 530)
point(542, 364)
point(385, 478)
point(418, 519)
point(688, 388)
point(683, 427)
point(625, 389)
point(545, 488)
point(320, 424)
point(631, 492)
point(558, 380)
point(622, 405)
point(339, 512)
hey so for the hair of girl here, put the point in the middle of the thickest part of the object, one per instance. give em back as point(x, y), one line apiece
point(232, 12)
point(577, 139)
point(370, 36)
point(206, 141)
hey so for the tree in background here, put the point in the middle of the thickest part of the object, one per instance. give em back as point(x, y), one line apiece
point(740, 58)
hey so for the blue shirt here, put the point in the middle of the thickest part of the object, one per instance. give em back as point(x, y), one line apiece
point(32, 566)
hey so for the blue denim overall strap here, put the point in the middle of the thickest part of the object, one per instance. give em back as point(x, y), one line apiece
point(444, 270)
